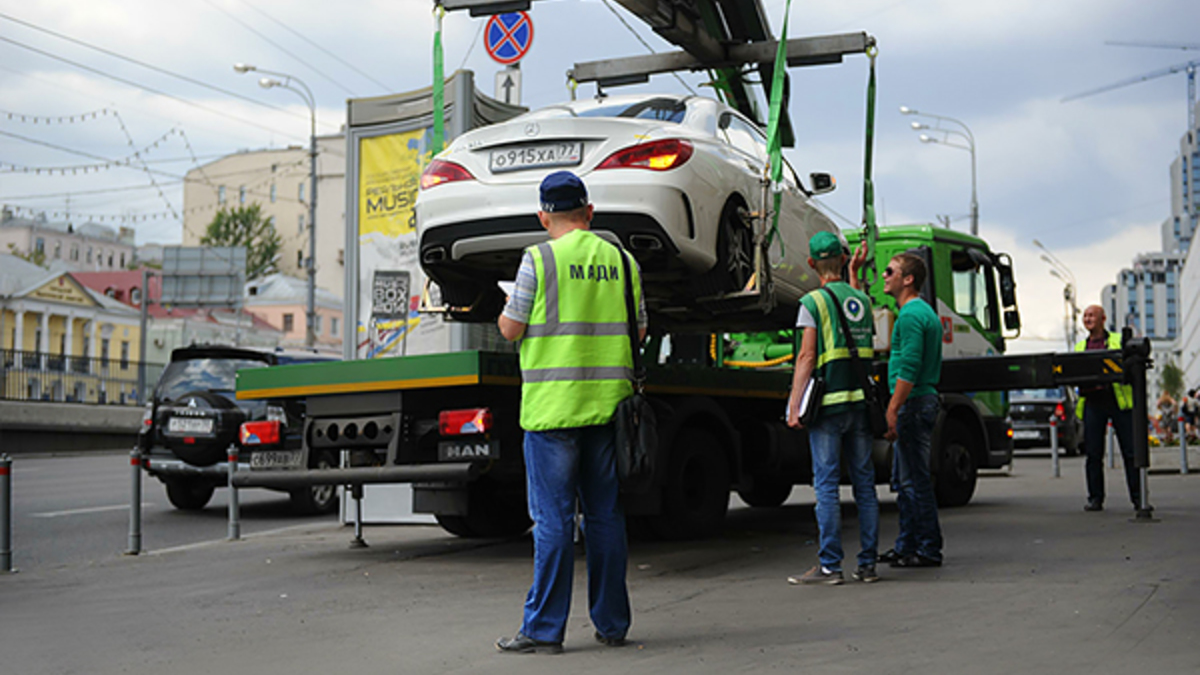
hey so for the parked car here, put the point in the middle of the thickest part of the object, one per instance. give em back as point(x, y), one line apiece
point(194, 417)
point(672, 177)
point(1031, 409)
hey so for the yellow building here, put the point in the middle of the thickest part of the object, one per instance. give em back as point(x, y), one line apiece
point(62, 341)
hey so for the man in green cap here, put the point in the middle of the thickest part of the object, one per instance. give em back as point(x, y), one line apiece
point(842, 425)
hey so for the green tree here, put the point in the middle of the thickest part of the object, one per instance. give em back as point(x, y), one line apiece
point(1170, 380)
point(245, 226)
point(36, 257)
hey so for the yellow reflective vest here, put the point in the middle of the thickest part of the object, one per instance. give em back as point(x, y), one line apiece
point(1122, 392)
point(576, 358)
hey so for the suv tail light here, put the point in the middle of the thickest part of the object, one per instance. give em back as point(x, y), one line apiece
point(1059, 412)
point(260, 433)
point(656, 156)
point(148, 415)
point(440, 171)
point(462, 422)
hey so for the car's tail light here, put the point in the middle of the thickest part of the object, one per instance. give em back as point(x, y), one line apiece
point(148, 415)
point(260, 433)
point(1059, 412)
point(656, 156)
point(462, 422)
point(440, 171)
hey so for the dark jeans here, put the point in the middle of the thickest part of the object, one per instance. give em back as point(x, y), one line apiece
point(920, 531)
point(1095, 423)
point(561, 466)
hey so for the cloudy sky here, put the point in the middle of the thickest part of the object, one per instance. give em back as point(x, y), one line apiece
point(1088, 178)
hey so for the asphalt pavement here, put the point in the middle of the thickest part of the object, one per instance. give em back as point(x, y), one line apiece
point(1031, 584)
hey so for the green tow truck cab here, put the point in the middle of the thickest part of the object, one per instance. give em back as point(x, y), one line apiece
point(448, 423)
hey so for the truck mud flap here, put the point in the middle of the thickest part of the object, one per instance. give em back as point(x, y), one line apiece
point(459, 473)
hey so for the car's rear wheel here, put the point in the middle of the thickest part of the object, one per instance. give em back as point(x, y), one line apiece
point(317, 499)
point(188, 494)
point(735, 255)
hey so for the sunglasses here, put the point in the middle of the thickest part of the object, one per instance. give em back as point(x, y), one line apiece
point(889, 271)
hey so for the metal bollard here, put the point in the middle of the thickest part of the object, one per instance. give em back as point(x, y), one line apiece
point(1183, 457)
point(1109, 440)
point(235, 525)
point(6, 513)
point(135, 504)
point(1054, 445)
point(357, 492)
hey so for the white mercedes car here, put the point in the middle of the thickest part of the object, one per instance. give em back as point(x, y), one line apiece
point(672, 177)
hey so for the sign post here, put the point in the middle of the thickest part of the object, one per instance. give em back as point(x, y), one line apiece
point(507, 39)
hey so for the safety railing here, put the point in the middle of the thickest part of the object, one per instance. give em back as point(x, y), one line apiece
point(40, 376)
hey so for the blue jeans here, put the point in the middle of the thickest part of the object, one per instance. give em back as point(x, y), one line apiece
point(844, 435)
point(1095, 426)
point(560, 465)
point(920, 532)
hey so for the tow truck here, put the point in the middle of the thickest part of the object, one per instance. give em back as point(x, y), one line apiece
point(448, 423)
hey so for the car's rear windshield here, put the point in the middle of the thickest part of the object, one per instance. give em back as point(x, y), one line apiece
point(661, 109)
point(209, 374)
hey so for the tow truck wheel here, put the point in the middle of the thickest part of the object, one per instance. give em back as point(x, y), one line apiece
point(954, 483)
point(490, 514)
point(765, 492)
point(696, 491)
point(188, 494)
point(317, 499)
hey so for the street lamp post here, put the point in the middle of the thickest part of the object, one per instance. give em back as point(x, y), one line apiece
point(310, 319)
point(945, 140)
point(1060, 271)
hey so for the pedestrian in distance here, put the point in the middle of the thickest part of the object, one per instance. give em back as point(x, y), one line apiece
point(914, 368)
point(1097, 406)
point(568, 310)
point(842, 430)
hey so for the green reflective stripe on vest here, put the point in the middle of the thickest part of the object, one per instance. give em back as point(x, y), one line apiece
point(842, 397)
point(580, 374)
point(577, 328)
point(1122, 392)
point(843, 385)
point(576, 363)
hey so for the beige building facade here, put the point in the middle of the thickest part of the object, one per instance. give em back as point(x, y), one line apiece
point(278, 180)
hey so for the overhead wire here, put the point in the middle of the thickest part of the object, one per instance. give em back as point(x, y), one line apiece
point(318, 46)
point(138, 85)
point(157, 69)
point(278, 46)
point(644, 43)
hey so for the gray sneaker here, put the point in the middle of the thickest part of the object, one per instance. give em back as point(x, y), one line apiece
point(818, 575)
point(866, 574)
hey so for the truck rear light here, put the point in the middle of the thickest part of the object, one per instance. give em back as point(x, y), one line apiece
point(260, 433)
point(462, 422)
point(656, 156)
point(440, 171)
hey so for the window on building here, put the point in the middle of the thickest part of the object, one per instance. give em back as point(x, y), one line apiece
point(122, 260)
point(242, 195)
point(299, 258)
point(57, 250)
point(289, 323)
point(124, 354)
point(104, 351)
point(317, 324)
point(300, 192)
point(110, 259)
point(89, 254)
point(272, 193)
point(39, 245)
point(62, 344)
point(333, 326)
point(75, 252)
point(221, 195)
point(135, 296)
point(37, 340)
point(300, 224)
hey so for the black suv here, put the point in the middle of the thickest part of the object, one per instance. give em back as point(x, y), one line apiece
point(194, 417)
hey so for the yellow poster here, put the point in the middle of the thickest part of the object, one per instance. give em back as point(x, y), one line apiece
point(389, 173)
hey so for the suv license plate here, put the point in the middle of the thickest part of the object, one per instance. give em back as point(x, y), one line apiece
point(1026, 433)
point(275, 459)
point(190, 425)
point(535, 157)
point(467, 450)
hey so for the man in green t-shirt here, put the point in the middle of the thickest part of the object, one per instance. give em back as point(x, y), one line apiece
point(914, 368)
point(841, 430)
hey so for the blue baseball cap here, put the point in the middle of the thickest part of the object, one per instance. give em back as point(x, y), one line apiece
point(562, 191)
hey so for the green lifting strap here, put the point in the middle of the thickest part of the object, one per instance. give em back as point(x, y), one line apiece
point(439, 86)
point(774, 141)
point(870, 230)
